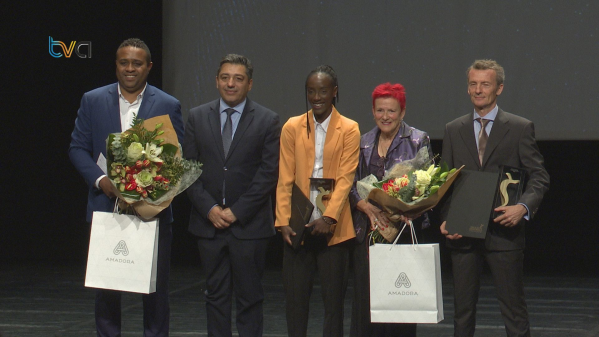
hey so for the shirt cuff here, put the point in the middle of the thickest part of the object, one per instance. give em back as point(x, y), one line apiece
point(210, 211)
point(98, 181)
point(527, 216)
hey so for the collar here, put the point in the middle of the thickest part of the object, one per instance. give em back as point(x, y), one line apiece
point(491, 115)
point(325, 123)
point(239, 107)
point(139, 97)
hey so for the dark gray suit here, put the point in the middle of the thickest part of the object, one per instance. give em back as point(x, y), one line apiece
point(512, 143)
point(246, 179)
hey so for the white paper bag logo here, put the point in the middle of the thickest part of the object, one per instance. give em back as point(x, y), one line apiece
point(403, 280)
point(121, 248)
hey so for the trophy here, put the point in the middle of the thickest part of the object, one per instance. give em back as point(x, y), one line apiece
point(511, 185)
point(325, 187)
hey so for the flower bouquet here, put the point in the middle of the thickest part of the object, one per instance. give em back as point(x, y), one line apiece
point(147, 171)
point(408, 189)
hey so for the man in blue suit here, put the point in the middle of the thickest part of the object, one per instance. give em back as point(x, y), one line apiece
point(110, 109)
point(237, 141)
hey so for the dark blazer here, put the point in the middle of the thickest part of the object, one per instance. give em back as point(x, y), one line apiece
point(512, 143)
point(98, 116)
point(246, 177)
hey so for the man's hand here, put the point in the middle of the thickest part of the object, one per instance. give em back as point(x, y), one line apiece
point(287, 233)
point(107, 187)
point(218, 218)
point(229, 216)
point(319, 227)
point(511, 215)
point(446, 233)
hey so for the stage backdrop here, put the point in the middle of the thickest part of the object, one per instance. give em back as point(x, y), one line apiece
point(549, 50)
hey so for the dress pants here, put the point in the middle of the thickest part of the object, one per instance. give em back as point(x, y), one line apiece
point(299, 269)
point(231, 264)
point(155, 305)
point(507, 271)
point(360, 319)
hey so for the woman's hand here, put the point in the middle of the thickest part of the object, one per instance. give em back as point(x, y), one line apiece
point(319, 227)
point(376, 216)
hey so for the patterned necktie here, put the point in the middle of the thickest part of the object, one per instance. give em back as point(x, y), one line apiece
point(482, 138)
point(228, 131)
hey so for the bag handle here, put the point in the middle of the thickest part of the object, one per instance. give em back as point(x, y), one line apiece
point(412, 234)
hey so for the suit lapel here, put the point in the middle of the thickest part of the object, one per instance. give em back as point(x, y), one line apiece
point(246, 119)
point(330, 143)
point(214, 121)
point(467, 134)
point(146, 103)
point(367, 152)
point(114, 115)
point(498, 132)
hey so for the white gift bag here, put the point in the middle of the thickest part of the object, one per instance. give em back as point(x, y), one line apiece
point(123, 253)
point(405, 283)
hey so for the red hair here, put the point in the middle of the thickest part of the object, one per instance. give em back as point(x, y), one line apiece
point(396, 91)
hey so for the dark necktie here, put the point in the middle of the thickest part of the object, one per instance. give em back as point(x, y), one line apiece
point(228, 131)
point(482, 138)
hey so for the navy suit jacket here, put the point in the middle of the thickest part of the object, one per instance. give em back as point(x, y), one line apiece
point(246, 178)
point(512, 143)
point(98, 116)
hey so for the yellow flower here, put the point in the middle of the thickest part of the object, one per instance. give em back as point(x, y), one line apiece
point(422, 177)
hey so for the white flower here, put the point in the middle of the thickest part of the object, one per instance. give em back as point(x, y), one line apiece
point(143, 178)
point(423, 178)
point(152, 152)
point(134, 151)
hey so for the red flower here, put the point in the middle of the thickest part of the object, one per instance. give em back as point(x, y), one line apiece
point(138, 164)
point(146, 163)
point(131, 186)
point(387, 186)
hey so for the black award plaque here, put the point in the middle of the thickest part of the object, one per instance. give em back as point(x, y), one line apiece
point(509, 190)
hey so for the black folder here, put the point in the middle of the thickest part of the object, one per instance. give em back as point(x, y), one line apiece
point(301, 210)
point(472, 203)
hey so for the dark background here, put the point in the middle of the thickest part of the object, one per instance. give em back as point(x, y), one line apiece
point(43, 198)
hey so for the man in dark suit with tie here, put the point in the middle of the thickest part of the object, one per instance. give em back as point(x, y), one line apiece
point(237, 140)
point(110, 109)
point(484, 140)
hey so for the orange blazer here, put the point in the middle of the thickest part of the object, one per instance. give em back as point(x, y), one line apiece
point(340, 160)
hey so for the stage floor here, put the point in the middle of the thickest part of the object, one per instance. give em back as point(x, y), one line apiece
point(41, 299)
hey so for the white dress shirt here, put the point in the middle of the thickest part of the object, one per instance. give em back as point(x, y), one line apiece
point(320, 132)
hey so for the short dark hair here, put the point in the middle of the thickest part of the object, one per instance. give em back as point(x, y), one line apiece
point(488, 64)
point(137, 43)
point(237, 59)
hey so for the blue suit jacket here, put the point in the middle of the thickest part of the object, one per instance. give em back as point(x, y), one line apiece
point(246, 177)
point(98, 116)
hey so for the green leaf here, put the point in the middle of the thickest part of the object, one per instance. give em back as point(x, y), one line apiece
point(169, 149)
point(131, 194)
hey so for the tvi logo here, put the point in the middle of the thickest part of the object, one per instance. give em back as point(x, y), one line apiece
point(73, 47)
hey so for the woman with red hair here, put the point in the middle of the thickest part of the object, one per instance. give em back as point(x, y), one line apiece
point(390, 142)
